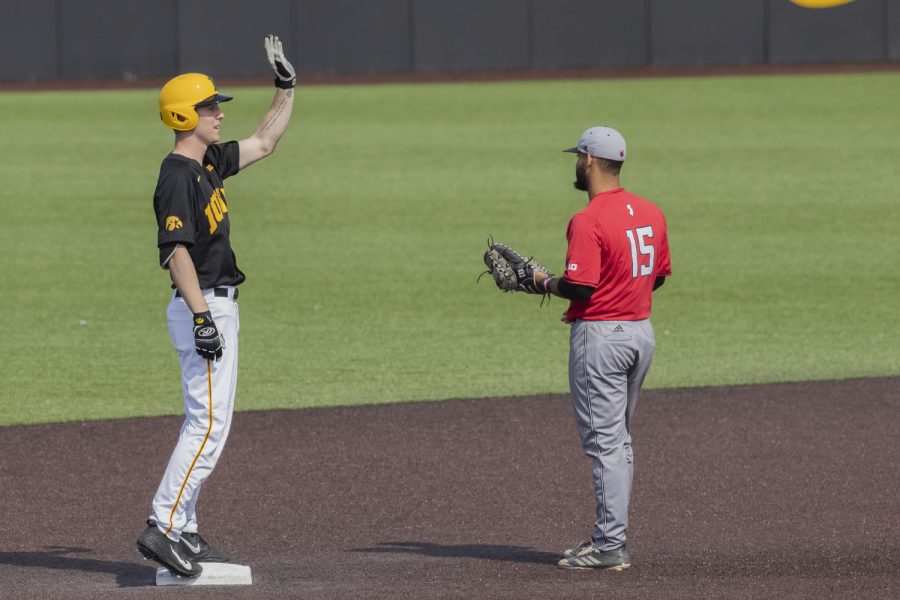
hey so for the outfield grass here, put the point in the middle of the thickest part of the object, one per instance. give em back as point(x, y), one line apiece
point(362, 238)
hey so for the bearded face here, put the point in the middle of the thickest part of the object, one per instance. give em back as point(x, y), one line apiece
point(581, 170)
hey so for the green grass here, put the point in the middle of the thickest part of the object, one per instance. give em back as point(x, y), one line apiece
point(362, 238)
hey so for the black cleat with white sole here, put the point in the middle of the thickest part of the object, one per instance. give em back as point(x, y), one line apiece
point(196, 548)
point(154, 545)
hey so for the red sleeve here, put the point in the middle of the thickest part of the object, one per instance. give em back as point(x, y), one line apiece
point(664, 265)
point(583, 255)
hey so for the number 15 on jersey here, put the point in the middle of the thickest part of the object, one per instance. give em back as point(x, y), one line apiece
point(641, 248)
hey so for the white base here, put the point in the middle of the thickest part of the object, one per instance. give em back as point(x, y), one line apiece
point(213, 574)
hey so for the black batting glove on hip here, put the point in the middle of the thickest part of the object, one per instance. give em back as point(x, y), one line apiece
point(285, 76)
point(209, 342)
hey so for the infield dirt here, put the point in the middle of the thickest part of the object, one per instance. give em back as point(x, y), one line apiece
point(776, 491)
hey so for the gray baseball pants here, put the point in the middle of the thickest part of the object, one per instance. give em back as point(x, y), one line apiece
point(608, 361)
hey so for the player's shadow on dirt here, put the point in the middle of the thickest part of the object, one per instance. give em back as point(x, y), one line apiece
point(517, 554)
point(128, 574)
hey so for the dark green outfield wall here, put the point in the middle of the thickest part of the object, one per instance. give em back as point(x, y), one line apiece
point(112, 39)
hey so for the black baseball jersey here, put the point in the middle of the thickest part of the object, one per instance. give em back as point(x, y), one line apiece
point(191, 210)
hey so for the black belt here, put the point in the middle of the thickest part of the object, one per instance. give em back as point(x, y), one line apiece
point(220, 292)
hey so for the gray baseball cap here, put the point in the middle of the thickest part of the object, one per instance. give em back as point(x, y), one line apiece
point(602, 142)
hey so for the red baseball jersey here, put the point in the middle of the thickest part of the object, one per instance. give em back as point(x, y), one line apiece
point(619, 245)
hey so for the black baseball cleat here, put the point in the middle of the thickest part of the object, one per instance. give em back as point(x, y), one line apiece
point(589, 557)
point(197, 549)
point(154, 545)
point(573, 551)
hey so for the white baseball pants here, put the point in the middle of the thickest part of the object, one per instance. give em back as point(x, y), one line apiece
point(208, 388)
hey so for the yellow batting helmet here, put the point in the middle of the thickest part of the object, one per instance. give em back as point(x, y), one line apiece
point(820, 3)
point(179, 98)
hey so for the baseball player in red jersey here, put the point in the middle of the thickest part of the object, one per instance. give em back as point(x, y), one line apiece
point(193, 237)
point(618, 255)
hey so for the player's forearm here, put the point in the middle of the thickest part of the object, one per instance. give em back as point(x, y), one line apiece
point(551, 286)
point(275, 123)
point(184, 276)
point(564, 289)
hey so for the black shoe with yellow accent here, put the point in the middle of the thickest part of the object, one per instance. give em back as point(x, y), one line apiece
point(154, 545)
point(589, 557)
point(197, 549)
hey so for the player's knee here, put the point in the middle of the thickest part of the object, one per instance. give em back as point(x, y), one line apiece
point(606, 449)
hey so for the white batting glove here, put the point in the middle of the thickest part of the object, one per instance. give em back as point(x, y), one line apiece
point(285, 76)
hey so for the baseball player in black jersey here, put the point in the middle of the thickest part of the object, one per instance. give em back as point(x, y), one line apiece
point(192, 215)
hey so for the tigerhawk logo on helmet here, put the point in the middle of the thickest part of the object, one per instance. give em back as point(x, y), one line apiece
point(180, 97)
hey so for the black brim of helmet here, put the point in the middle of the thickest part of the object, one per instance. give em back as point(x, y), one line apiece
point(214, 99)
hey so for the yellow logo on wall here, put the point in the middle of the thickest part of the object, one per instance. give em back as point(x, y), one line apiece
point(820, 3)
point(173, 223)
